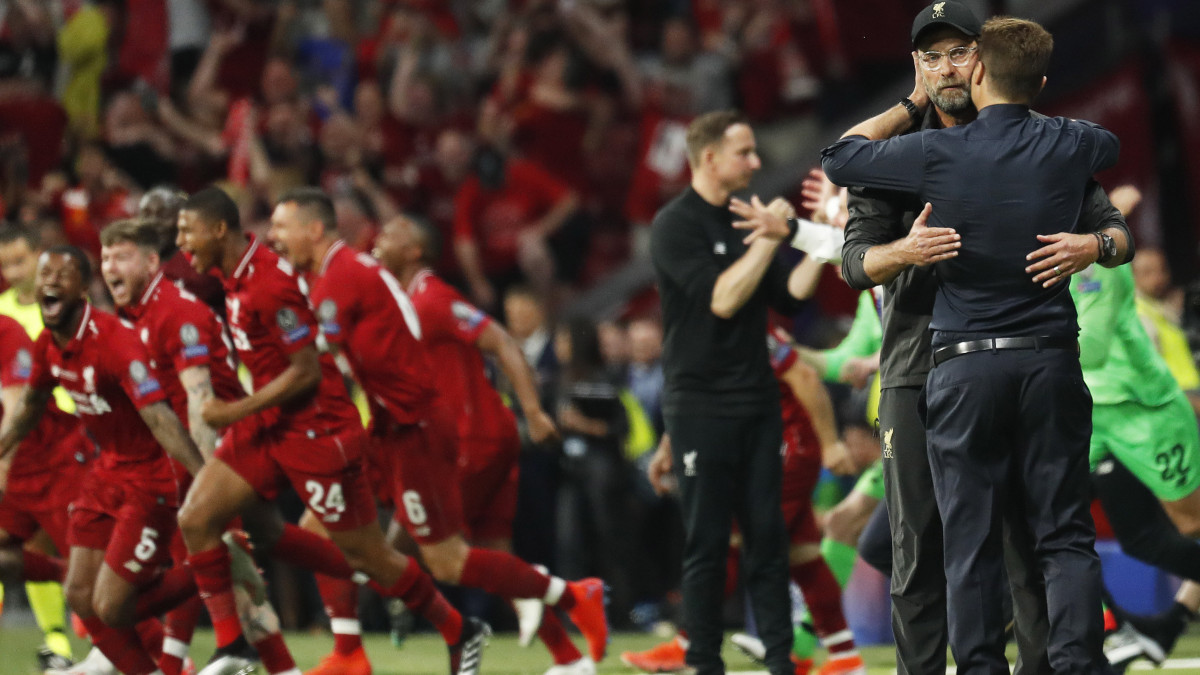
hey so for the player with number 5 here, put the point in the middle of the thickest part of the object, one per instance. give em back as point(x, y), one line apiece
point(123, 520)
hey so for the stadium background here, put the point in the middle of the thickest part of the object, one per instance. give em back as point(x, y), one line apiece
point(102, 100)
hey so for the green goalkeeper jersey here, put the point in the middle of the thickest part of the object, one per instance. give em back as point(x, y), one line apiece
point(1119, 361)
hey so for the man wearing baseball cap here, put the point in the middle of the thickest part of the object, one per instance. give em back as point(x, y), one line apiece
point(885, 246)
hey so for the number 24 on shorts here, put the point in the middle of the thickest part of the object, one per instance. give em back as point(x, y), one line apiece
point(329, 506)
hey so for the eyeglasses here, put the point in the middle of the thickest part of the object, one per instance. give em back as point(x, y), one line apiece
point(959, 56)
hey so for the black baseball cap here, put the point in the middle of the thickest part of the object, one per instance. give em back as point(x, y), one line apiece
point(947, 13)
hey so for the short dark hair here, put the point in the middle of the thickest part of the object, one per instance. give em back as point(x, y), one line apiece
point(11, 232)
point(709, 129)
point(135, 231)
point(214, 206)
point(428, 237)
point(1015, 54)
point(315, 202)
point(75, 253)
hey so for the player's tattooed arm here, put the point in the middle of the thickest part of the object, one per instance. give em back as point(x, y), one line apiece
point(197, 382)
point(23, 408)
point(169, 432)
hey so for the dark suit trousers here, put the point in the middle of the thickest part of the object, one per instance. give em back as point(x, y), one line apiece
point(1010, 430)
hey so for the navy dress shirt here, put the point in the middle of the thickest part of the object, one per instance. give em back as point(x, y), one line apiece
point(999, 181)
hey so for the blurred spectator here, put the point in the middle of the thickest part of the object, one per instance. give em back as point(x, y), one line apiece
point(699, 79)
point(614, 347)
point(505, 213)
point(83, 47)
point(645, 368)
point(136, 145)
point(27, 50)
point(1160, 305)
point(188, 29)
point(529, 325)
point(595, 496)
point(99, 195)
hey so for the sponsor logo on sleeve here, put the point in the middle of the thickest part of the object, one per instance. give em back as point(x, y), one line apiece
point(468, 316)
point(327, 315)
point(143, 381)
point(189, 335)
point(23, 364)
point(289, 324)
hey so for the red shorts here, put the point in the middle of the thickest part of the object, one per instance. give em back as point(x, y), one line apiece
point(327, 471)
point(42, 501)
point(488, 473)
point(801, 470)
point(133, 527)
point(416, 470)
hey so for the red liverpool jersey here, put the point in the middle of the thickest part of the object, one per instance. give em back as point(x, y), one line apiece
point(364, 311)
point(42, 450)
point(105, 370)
point(270, 319)
point(180, 332)
point(451, 328)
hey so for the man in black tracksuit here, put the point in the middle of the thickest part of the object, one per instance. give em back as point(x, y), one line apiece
point(720, 400)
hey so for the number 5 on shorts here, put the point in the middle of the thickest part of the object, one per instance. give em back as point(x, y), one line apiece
point(146, 547)
point(329, 506)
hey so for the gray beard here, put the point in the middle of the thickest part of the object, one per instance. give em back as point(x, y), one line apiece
point(953, 105)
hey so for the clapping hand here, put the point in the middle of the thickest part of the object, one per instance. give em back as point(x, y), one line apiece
point(765, 221)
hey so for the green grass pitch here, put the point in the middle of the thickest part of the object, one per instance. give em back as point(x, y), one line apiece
point(425, 655)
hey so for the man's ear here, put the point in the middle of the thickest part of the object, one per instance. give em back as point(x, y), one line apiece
point(977, 74)
point(1043, 84)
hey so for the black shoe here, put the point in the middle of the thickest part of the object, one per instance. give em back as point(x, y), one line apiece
point(467, 655)
point(48, 659)
point(239, 648)
point(1164, 628)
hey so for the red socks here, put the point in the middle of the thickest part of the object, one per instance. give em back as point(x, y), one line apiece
point(122, 646)
point(554, 636)
point(503, 574)
point(211, 570)
point(419, 594)
point(298, 546)
point(178, 629)
point(823, 596)
point(341, 604)
point(41, 567)
point(274, 654)
point(177, 585)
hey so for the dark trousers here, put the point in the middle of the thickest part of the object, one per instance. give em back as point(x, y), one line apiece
point(1011, 429)
point(730, 467)
point(917, 567)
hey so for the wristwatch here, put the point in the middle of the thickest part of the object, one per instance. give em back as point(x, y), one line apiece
point(1108, 247)
point(913, 111)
